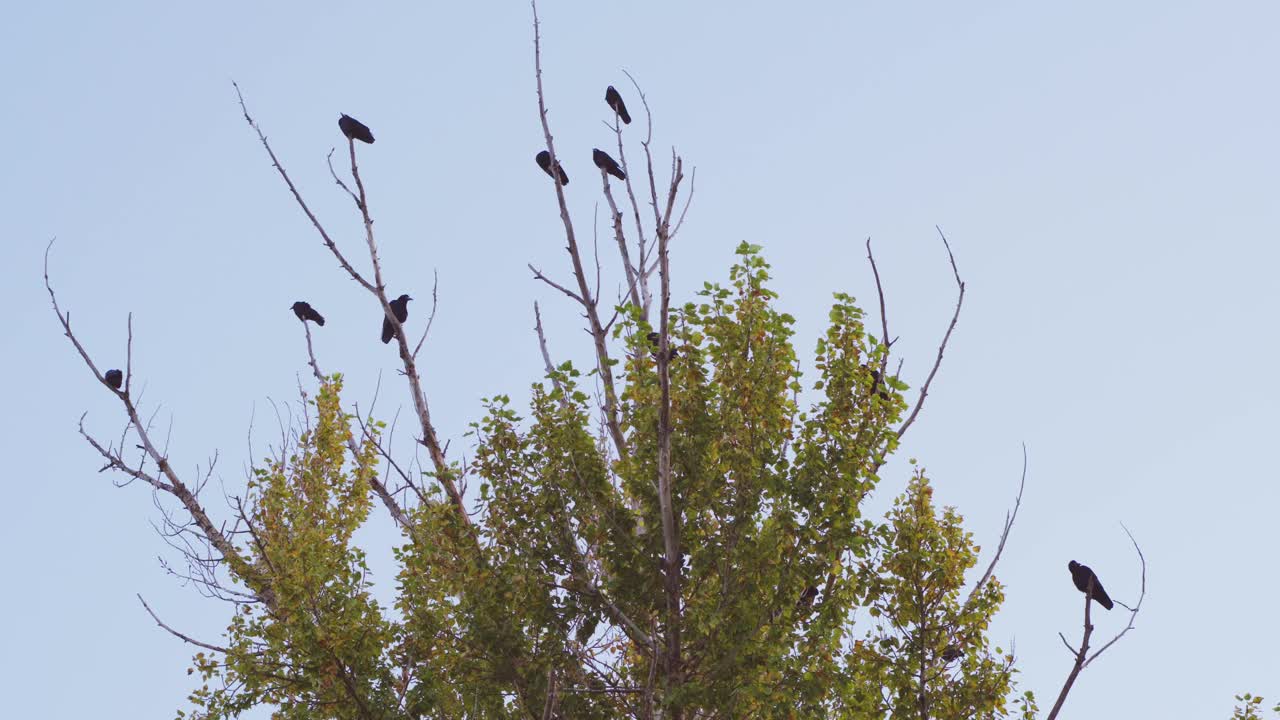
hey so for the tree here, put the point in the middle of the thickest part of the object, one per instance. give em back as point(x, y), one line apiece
point(689, 541)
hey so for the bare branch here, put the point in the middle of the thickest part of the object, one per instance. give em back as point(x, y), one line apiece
point(603, 362)
point(435, 303)
point(1082, 656)
point(175, 633)
point(924, 390)
point(537, 275)
point(884, 317)
point(1133, 611)
point(1009, 518)
point(324, 235)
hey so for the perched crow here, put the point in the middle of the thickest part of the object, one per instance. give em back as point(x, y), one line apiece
point(1083, 577)
point(115, 378)
point(399, 306)
point(952, 654)
point(655, 339)
point(877, 384)
point(607, 164)
point(612, 97)
point(354, 129)
point(305, 312)
point(544, 161)
point(807, 597)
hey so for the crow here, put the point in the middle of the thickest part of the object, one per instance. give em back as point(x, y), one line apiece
point(305, 312)
point(114, 378)
point(1087, 582)
point(544, 161)
point(607, 164)
point(951, 654)
point(612, 97)
point(877, 384)
point(655, 339)
point(354, 129)
point(399, 306)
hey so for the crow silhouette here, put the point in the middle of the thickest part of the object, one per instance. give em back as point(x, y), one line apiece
point(305, 312)
point(607, 164)
point(399, 306)
point(612, 97)
point(354, 129)
point(1084, 578)
point(951, 654)
point(544, 161)
point(655, 339)
point(114, 378)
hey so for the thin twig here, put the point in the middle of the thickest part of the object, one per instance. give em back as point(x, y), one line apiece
point(924, 390)
point(175, 633)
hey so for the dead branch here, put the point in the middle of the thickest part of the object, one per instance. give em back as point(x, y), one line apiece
point(603, 362)
point(175, 487)
point(1082, 656)
point(175, 633)
point(1009, 518)
point(924, 390)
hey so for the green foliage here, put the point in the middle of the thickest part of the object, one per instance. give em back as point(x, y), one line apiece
point(795, 604)
point(1250, 708)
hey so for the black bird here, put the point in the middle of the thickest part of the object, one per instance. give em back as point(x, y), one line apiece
point(877, 384)
point(400, 307)
point(807, 597)
point(1083, 577)
point(305, 312)
point(607, 164)
point(354, 129)
point(951, 654)
point(544, 161)
point(655, 339)
point(612, 97)
point(114, 378)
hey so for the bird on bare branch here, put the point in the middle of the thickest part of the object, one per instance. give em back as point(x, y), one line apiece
point(354, 129)
point(1087, 582)
point(544, 161)
point(607, 163)
point(399, 306)
point(612, 97)
point(305, 312)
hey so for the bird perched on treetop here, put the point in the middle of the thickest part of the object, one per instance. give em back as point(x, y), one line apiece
point(544, 161)
point(305, 312)
point(1083, 578)
point(612, 97)
point(400, 307)
point(607, 164)
point(354, 129)
point(114, 378)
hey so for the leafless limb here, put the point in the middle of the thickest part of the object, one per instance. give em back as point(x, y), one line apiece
point(924, 390)
point(172, 485)
point(175, 633)
point(603, 362)
point(1082, 656)
point(324, 235)
point(377, 288)
point(431, 319)
point(884, 316)
point(1133, 611)
point(1009, 518)
point(538, 275)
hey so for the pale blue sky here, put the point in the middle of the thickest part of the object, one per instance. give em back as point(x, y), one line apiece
point(1107, 173)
